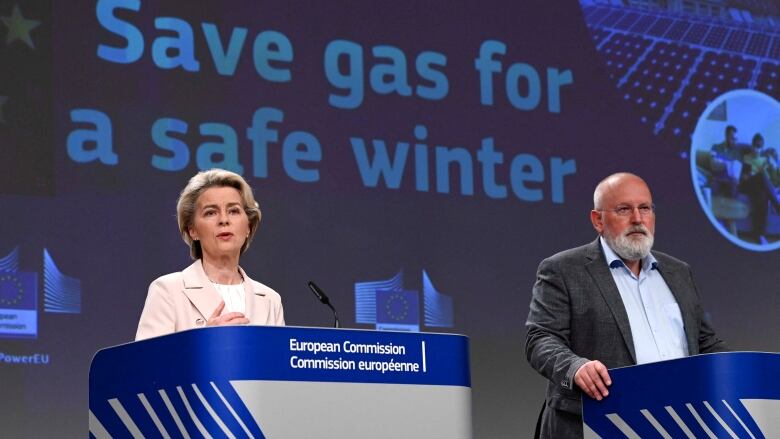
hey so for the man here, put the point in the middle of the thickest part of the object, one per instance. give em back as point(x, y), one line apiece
point(756, 183)
point(723, 155)
point(608, 304)
point(727, 150)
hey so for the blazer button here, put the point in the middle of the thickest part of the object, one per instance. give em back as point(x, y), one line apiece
point(200, 322)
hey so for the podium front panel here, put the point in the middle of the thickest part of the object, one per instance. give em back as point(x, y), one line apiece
point(283, 382)
point(732, 394)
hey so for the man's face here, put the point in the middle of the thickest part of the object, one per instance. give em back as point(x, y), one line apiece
point(731, 138)
point(758, 143)
point(627, 219)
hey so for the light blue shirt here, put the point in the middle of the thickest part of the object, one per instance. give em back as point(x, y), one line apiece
point(653, 313)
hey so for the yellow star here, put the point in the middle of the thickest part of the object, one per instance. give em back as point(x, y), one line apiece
point(19, 27)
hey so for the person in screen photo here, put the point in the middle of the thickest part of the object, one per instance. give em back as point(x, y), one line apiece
point(218, 217)
point(723, 155)
point(756, 183)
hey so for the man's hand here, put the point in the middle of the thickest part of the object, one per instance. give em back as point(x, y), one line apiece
point(231, 318)
point(593, 378)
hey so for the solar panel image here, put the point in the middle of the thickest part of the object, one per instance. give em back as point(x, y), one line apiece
point(736, 40)
point(758, 45)
point(670, 64)
point(716, 36)
point(654, 82)
point(661, 26)
point(774, 50)
point(696, 34)
point(643, 24)
point(621, 52)
point(678, 30)
point(769, 78)
point(627, 21)
point(715, 74)
point(599, 35)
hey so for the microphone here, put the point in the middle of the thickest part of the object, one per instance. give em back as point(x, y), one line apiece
point(322, 297)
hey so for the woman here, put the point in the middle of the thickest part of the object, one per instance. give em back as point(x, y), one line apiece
point(218, 216)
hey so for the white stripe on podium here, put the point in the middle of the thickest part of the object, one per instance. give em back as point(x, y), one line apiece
point(96, 428)
point(153, 415)
point(233, 412)
point(126, 419)
point(704, 426)
point(680, 423)
point(658, 427)
point(588, 433)
point(194, 417)
point(720, 420)
point(212, 412)
point(173, 413)
point(623, 426)
point(738, 419)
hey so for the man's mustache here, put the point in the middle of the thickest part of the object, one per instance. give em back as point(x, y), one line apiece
point(636, 229)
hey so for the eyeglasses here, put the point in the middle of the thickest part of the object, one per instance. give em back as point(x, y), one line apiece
point(626, 210)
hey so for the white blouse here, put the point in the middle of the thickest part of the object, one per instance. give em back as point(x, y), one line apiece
point(234, 297)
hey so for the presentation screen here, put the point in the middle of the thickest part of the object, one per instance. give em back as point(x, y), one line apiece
point(416, 160)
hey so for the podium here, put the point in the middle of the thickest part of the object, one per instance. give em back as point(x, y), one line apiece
point(283, 382)
point(733, 394)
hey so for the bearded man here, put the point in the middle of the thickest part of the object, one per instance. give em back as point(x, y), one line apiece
point(610, 303)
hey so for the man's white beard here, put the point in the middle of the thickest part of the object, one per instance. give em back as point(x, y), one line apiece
point(631, 249)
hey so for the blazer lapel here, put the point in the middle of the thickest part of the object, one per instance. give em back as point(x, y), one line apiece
point(598, 269)
point(257, 308)
point(677, 283)
point(199, 290)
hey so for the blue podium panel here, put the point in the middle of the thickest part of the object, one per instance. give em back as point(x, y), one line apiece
point(729, 395)
point(283, 382)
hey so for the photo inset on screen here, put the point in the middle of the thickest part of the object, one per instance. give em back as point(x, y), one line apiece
point(734, 167)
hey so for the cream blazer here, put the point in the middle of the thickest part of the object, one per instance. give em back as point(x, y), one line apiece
point(186, 299)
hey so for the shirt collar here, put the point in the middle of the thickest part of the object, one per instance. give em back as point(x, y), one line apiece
point(614, 261)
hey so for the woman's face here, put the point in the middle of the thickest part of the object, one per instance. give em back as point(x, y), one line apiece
point(220, 223)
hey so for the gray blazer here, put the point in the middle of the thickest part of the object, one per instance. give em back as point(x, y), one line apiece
point(577, 315)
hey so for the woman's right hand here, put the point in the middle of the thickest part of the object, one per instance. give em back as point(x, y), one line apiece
point(231, 318)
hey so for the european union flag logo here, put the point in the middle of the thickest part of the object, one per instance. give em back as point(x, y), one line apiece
point(17, 290)
point(387, 305)
point(438, 306)
point(365, 296)
point(61, 293)
point(18, 304)
point(398, 310)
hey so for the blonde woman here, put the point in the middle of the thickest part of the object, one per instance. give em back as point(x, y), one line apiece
point(218, 217)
